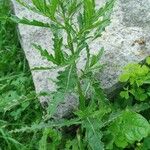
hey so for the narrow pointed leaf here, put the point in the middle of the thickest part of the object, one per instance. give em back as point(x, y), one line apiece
point(29, 22)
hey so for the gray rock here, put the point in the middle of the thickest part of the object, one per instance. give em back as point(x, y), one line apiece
point(130, 24)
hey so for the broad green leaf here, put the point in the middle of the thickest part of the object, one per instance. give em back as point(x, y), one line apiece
point(148, 60)
point(124, 77)
point(145, 145)
point(139, 94)
point(124, 94)
point(132, 67)
point(143, 70)
point(129, 128)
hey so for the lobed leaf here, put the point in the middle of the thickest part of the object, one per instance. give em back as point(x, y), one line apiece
point(93, 134)
point(44, 53)
point(128, 128)
point(67, 81)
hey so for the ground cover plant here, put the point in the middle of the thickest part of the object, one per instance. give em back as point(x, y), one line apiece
point(17, 95)
point(98, 123)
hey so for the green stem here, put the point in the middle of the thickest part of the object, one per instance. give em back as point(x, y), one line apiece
point(69, 38)
point(71, 47)
point(81, 96)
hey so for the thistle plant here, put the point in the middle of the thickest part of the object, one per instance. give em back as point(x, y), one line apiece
point(81, 22)
point(97, 124)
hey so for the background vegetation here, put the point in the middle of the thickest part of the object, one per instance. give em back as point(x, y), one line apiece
point(18, 102)
point(120, 123)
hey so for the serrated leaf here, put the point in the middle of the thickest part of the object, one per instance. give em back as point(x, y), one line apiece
point(89, 10)
point(128, 128)
point(56, 99)
point(29, 7)
point(44, 53)
point(67, 79)
point(96, 58)
point(98, 93)
point(93, 134)
point(48, 8)
point(58, 52)
point(29, 22)
point(44, 7)
point(106, 9)
point(57, 123)
point(101, 28)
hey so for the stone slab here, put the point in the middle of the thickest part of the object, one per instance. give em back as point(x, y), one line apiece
point(130, 23)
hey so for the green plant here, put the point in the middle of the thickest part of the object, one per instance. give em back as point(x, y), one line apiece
point(82, 23)
point(97, 123)
point(128, 128)
point(138, 77)
point(18, 102)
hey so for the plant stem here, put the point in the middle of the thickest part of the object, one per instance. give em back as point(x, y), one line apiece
point(71, 47)
point(81, 96)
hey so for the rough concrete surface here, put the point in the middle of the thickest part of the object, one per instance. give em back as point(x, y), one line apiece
point(130, 23)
